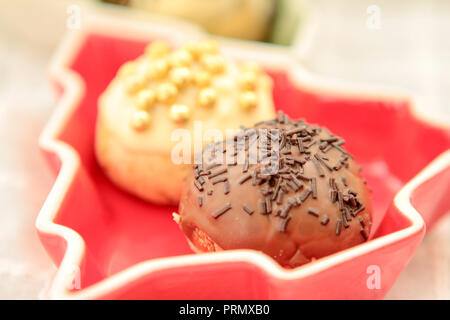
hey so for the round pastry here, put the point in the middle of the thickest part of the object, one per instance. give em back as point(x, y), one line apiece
point(164, 90)
point(286, 188)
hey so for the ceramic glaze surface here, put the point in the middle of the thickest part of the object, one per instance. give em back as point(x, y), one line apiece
point(120, 231)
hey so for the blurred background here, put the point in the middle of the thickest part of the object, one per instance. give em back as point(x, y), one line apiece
point(398, 43)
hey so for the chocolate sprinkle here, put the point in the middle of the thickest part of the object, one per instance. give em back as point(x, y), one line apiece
point(226, 187)
point(311, 144)
point(262, 206)
point(218, 173)
point(331, 183)
point(292, 185)
point(245, 168)
point(286, 210)
point(361, 222)
point(347, 214)
point(296, 130)
point(303, 177)
point(280, 196)
point(296, 181)
point(318, 167)
point(218, 180)
point(314, 212)
point(363, 233)
point(340, 201)
point(212, 166)
point(330, 140)
point(301, 149)
point(268, 205)
point(352, 201)
point(247, 209)
point(198, 185)
point(333, 195)
point(222, 211)
point(277, 189)
point(284, 223)
point(358, 210)
point(338, 226)
point(344, 219)
point(319, 159)
point(254, 178)
point(201, 180)
point(305, 195)
point(327, 148)
point(314, 188)
point(244, 178)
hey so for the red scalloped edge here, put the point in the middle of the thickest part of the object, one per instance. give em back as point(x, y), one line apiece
point(73, 253)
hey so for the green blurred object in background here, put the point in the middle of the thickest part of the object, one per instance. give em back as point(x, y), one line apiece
point(244, 19)
point(287, 21)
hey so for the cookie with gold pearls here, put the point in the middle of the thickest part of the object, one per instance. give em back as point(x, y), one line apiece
point(165, 89)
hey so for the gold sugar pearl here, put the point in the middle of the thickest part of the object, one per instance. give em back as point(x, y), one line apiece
point(207, 98)
point(127, 69)
point(158, 69)
point(157, 49)
point(202, 79)
point(180, 113)
point(146, 99)
point(214, 64)
point(134, 83)
point(209, 46)
point(247, 80)
point(145, 70)
point(248, 100)
point(140, 120)
point(193, 48)
point(167, 93)
point(181, 58)
point(181, 77)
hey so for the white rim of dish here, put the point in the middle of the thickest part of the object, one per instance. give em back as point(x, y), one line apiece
point(270, 56)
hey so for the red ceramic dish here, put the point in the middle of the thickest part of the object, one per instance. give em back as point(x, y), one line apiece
point(109, 244)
